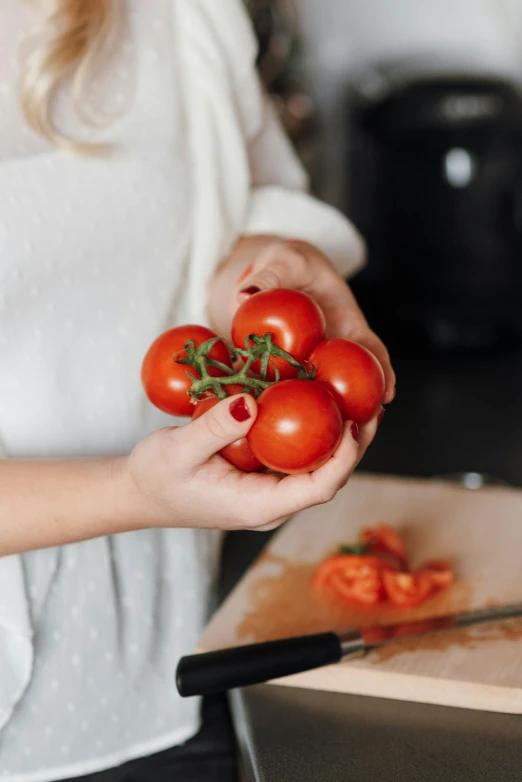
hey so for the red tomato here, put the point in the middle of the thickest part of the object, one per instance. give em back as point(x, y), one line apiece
point(352, 374)
point(298, 426)
point(347, 562)
point(364, 587)
point(408, 590)
point(384, 540)
point(293, 318)
point(353, 578)
point(440, 573)
point(238, 453)
point(165, 382)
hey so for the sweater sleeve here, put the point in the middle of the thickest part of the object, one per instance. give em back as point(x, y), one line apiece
point(280, 203)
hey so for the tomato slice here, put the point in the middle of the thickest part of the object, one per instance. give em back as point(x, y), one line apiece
point(362, 587)
point(408, 590)
point(440, 573)
point(384, 540)
point(348, 562)
point(353, 578)
point(326, 568)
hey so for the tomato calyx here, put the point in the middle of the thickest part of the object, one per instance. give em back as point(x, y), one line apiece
point(198, 357)
point(263, 348)
point(256, 348)
point(358, 549)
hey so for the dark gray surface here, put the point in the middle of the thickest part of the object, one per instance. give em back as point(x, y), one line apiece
point(450, 416)
point(289, 734)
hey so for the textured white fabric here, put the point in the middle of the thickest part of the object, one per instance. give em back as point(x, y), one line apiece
point(98, 256)
point(16, 643)
point(234, 142)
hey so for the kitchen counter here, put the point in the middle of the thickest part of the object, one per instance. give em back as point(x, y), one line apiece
point(450, 416)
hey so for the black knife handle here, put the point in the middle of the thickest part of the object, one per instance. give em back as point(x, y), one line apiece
point(226, 669)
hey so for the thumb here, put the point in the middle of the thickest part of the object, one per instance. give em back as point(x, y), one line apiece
point(278, 266)
point(226, 422)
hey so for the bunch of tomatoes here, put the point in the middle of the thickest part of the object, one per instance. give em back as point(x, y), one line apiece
point(305, 385)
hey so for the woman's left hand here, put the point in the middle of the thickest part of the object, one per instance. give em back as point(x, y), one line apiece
point(261, 263)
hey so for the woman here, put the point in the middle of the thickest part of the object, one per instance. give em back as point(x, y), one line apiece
point(184, 200)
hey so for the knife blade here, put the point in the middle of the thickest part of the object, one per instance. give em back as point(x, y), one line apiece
point(242, 666)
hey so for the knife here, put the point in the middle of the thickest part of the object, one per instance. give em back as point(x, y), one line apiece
point(241, 666)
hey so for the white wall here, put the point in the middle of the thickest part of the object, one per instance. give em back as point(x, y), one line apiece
point(344, 32)
point(343, 35)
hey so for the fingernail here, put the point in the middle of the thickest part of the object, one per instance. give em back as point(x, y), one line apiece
point(251, 290)
point(354, 429)
point(246, 273)
point(381, 415)
point(239, 409)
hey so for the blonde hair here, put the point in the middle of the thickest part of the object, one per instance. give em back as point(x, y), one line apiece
point(63, 50)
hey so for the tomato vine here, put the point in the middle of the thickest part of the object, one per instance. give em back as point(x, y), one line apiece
point(257, 348)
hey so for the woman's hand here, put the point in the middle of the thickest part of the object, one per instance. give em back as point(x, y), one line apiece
point(173, 478)
point(261, 263)
point(294, 264)
point(178, 479)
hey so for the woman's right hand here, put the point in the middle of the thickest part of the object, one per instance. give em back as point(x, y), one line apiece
point(179, 480)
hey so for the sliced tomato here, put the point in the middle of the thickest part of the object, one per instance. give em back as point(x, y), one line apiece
point(363, 586)
point(326, 568)
point(408, 590)
point(353, 578)
point(440, 573)
point(345, 562)
point(384, 540)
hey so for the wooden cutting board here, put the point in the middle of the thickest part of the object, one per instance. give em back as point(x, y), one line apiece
point(480, 532)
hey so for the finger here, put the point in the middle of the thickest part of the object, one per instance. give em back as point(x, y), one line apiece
point(282, 497)
point(223, 424)
point(271, 526)
point(294, 493)
point(391, 392)
point(278, 266)
point(383, 357)
point(378, 349)
point(371, 341)
point(366, 434)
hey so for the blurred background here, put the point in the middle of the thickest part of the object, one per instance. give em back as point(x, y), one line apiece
point(408, 116)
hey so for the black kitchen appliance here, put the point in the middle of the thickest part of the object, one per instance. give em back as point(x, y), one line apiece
point(435, 187)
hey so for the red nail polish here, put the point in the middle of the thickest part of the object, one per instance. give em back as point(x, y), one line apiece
point(381, 415)
point(354, 429)
point(251, 290)
point(239, 409)
point(246, 273)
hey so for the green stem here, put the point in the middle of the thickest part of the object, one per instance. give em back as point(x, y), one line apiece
point(256, 348)
point(211, 362)
point(199, 387)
